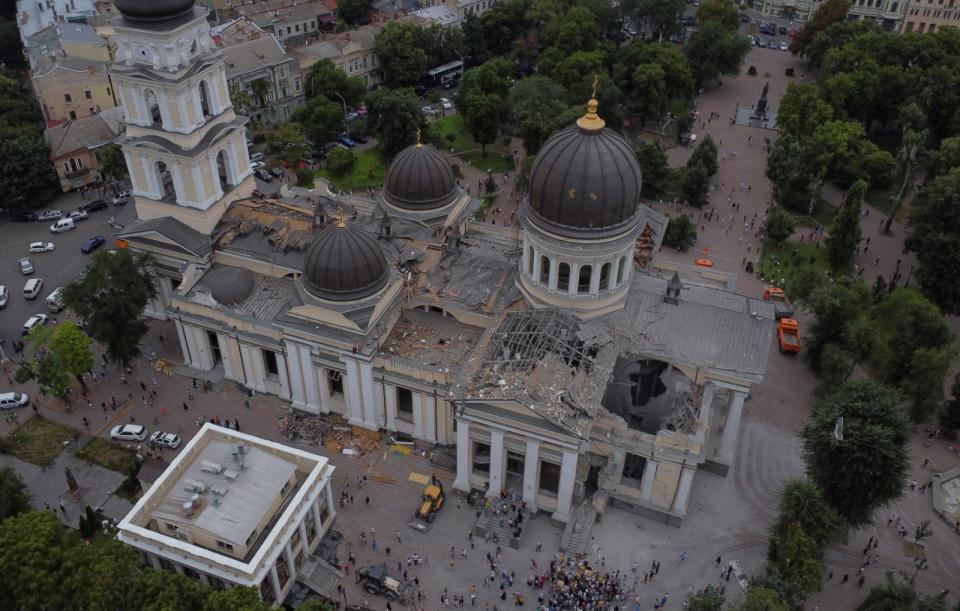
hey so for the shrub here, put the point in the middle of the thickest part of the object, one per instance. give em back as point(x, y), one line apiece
point(340, 161)
point(752, 71)
point(680, 232)
point(433, 97)
point(259, 138)
point(455, 169)
point(305, 178)
point(506, 142)
point(789, 72)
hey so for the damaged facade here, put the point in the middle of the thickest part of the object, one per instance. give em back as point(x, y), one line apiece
point(552, 355)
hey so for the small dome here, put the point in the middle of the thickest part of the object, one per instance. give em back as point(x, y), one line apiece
point(229, 285)
point(153, 11)
point(344, 263)
point(420, 178)
point(585, 180)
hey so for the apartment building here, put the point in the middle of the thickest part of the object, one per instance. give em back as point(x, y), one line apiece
point(354, 52)
point(68, 88)
point(925, 16)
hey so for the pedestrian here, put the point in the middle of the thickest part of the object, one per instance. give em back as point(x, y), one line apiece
point(236, 425)
point(683, 556)
point(63, 507)
point(185, 408)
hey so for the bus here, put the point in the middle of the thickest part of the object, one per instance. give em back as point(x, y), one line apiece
point(447, 74)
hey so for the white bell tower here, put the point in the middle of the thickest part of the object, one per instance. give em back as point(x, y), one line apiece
point(184, 146)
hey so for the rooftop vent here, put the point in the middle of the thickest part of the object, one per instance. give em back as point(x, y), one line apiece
point(231, 474)
point(672, 295)
point(192, 485)
point(211, 467)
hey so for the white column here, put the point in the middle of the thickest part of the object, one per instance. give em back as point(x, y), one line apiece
point(732, 428)
point(303, 537)
point(568, 476)
point(574, 279)
point(321, 375)
point(430, 427)
point(649, 474)
point(283, 372)
point(226, 353)
point(331, 506)
point(536, 264)
point(531, 469)
point(371, 402)
point(200, 348)
point(354, 396)
point(683, 491)
point(595, 278)
point(417, 414)
point(309, 378)
point(554, 273)
point(463, 456)
point(390, 408)
point(288, 552)
point(184, 346)
point(496, 463)
point(316, 518)
point(275, 581)
point(295, 369)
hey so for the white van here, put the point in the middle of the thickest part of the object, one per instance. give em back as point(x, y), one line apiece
point(32, 288)
point(64, 224)
point(55, 300)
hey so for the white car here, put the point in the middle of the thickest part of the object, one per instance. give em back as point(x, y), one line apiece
point(429, 110)
point(122, 198)
point(784, 46)
point(79, 215)
point(10, 400)
point(4, 295)
point(50, 215)
point(445, 102)
point(26, 266)
point(128, 432)
point(34, 321)
point(167, 440)
point(256, 165)
point(41, 247)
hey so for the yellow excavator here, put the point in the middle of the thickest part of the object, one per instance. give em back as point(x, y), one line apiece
point(433, 498)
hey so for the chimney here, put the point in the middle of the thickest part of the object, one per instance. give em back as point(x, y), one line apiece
point(672, 296)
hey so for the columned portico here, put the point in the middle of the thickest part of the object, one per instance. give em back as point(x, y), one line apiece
point(497, 463)
point(568, 474)
point(531, 469)
point(463, 456)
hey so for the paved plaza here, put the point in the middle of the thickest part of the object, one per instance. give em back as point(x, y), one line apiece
point(727, 518)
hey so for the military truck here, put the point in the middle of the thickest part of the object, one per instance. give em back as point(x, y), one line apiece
point(375, 580)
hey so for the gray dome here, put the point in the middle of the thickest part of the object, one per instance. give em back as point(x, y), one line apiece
point(585, 181)
point(154, 10)
point(420, 178)
point(344, 264)
point(229, 285)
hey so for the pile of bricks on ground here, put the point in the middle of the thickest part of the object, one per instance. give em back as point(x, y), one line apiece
point(332, 431)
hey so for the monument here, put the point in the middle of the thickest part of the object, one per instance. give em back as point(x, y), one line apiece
point(760, 115)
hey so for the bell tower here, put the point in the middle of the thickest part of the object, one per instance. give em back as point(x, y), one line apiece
point(185, 148)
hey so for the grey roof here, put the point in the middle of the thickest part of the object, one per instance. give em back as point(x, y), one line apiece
point(85, 67)
point(267, 298)
point(584, 182)
point(420, 178)
point(49, 40)
point(190, 239)
point(265, 14)
point(86, 133)
point(252, 55)
point(80, 33)
point(247, 498)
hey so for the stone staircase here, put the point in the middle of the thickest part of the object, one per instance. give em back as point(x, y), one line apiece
point(576, 534)
point(320, 576)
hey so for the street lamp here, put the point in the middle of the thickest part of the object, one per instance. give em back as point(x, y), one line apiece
point(345, 122)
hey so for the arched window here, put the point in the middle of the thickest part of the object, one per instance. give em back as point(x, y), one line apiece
point(165, 177)
point(204, 95)
point(605, 276)
point(153, 107)
point(530, 260)
point(223, 171)
point(621, 270)
point(544, 270)
point(563, 277)
point(583, 282)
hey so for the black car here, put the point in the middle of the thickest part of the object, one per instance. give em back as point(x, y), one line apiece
point(277, 172)
point(420, 90)
point(263, 175)
point(783, 30)
point(92, 244)
point(24, 217)
point(97, 204)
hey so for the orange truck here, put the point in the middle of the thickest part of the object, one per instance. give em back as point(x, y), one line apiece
point(788, 332)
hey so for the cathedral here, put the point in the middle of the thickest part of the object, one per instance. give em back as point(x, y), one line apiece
point(556, 359)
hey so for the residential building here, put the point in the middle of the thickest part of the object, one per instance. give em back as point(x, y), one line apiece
point(258, 64)
point(35, 15)
point(233, 510)
point(77, 40)
point(75, 147)
point(800, 10)
point(68, 89)
point(354, 52)
point(293, 23)
point(443, 15)
point(888, 14)
point(462, 7)
point(925, 16)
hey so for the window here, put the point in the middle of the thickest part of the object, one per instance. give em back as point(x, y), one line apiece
point(270, 360)
point(605, 277)
point(289, 31)
point(563, 277)
point(549, 477)
point(88, 95)
point(544, 270)
point(67, 98)
point(335, 379)
point(225, 546)
point(171, 527)
point(297, 27)
point(583, 281)
point(530, 260)
point(405, 404)
point(621, 269)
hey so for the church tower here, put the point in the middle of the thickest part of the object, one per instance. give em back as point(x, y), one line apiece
point(185, 148)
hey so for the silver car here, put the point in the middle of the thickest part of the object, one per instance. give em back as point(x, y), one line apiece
point(128, 432)
point(42, 247)
point(26, 266)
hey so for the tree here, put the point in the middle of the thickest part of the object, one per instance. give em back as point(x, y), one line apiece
point(950, 418)
point(802, 504)
point(894, 595)
point(706, 600)
point(55, 353)
point(394, 117)
point(944, 159)
point(835, 307)
point(762, 598)
point(722, 12)
point(641, 71)
point(340, 161)
point(315, 604)
point(935, 219)
point(288, 142)
point(235, 599)
point(696, 184)
point(167, 591)
point(653, 167)
point(34, 551)
point(14, 496)
point(111, 300)
point(483, 118)
point(844, 237)
point(802, 110)
point(864, 470)
point(239, 98)
point(327, 80)
point(353, 11)
point(649, 91)
point(779, 225)
point(789, 173)
point(113, 165)
point(536, 103)
point(829, 13)
point(680, 232)
point(576, 30)
point(401, 48)
point(102, 575)
point(27, 178)
point(911, 145)
point(659, 18)
point(322, 119)
point(798, 560)
point(706, 155)
point(713, 51)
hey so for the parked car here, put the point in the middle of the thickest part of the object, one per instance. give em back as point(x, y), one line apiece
point(92, 244)
point(99, 204)
point(79, 215)
point(429, 110)
point(26, 266)
point(446, 104)
point(784, 46)
point(256, 157)
point(122, 198)
point(34, 321)
point(9, 400)
point(50, 215)
point(24, 217)
point(277, 172)
point(128, 432)
point(256, 165)
point(783, 30)
point(4, 295)
point(346, 141)
point(65, 224)
point(450, 84)
point(167, 440)
point(42, 247)
point(263, 175)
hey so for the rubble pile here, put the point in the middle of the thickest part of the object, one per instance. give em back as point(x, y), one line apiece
point(332, 431)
